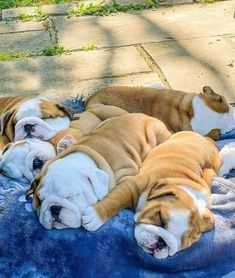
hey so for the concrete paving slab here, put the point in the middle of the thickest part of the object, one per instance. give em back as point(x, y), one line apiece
point(191, 64)
point(62, 9)
point(33, 41)
point(16, 27)
point(60, 92)
point(180, 22)
point(64, 72)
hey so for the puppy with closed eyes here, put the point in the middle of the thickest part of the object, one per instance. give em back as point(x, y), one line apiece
point(24, 159)
point(207, 113)
point(174, 208)
point(31, 117)
point(84, 173)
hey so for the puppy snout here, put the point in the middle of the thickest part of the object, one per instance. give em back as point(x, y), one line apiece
point(28, 128)
point(55, 210)
point(160, 244)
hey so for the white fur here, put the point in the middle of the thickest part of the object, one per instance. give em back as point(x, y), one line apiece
point(17, 161)
point(29, 113)
point(155, 85)
point(227, 156)
point(199, 199)
point(205, 119)
point(29, 108)
point(91, 221)
point(45, 129)
point(74, 183)
point(147, 235)
point(178, 223)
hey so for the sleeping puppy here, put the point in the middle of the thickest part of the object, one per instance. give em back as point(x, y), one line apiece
point(83, 174)
point(24, 159)
point(175, 182)
point(24, 117)
point(207, 113)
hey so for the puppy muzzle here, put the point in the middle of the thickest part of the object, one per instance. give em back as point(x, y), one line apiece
point(38, 128)
point(156, 240)
point(59, 213)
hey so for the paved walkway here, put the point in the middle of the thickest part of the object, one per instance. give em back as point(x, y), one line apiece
point(184, 47)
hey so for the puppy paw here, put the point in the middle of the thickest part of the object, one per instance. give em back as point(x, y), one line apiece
point(65, 142)
point(91, 220)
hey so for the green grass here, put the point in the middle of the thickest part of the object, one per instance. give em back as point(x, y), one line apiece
point(6, 4)
point(106, 9)
point(88, 47)
point(39, 16)
point(20, 55)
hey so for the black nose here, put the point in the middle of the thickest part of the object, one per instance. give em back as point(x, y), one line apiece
point(55, 210)
point(28, 128)
point(160, 244)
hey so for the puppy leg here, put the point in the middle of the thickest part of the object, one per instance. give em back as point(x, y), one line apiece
point(124, 195)
point(65, 142)
point(208, 175)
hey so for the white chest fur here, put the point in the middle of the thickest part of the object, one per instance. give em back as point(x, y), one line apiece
point(205, 119)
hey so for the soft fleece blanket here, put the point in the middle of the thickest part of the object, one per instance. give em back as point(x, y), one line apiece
point(30, 251)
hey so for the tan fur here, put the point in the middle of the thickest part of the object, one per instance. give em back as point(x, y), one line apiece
point(118, 146)
point(187, 158)
point(172, 107)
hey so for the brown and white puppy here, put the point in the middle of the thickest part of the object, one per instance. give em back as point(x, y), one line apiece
point(24, 117)
point(24, 159)
point(207, 113)
point(173, 210)
point(83, 174)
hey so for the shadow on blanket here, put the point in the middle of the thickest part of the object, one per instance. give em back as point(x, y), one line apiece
point(30, 251)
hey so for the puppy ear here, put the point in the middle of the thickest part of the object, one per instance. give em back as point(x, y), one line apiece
point(158, 190)
point(100, 182)
point(151, 214)
point(207, 221)
point(33, 191)
point(69, 112)
point(6, 117)
point(7, 147)
point(208, 91)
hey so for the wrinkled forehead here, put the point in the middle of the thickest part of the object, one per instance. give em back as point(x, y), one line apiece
point(16, 149)
point(30, 108)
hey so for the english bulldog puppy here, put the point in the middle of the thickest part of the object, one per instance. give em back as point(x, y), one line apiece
point(84, 173)
point(25, 117)
point(207, 113)
point(173, 209)
point(23, 160)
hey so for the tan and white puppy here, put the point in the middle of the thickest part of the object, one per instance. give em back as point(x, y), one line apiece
point(84, 173)
point(173, 210)
point(23, 160)
point(23, 117)
point(207, 113)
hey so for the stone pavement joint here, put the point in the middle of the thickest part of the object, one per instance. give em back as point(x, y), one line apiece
point(153, 65)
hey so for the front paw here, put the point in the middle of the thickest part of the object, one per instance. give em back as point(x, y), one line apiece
point(91, 220)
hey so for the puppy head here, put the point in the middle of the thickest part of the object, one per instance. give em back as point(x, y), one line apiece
point(215, 101)
point(63, 190)
point(169, 222)
point(24, 159)
point(35, 117)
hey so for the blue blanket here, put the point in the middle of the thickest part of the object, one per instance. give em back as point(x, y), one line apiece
point(30, 251)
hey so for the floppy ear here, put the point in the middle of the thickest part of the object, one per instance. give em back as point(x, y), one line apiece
point(69, 112)
point(208, 91)
point(6, 147)
point(207, 221)
point(33, 191)
point(100, 182)
point(6, 117)
point(159, 190)
point(151, 214)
